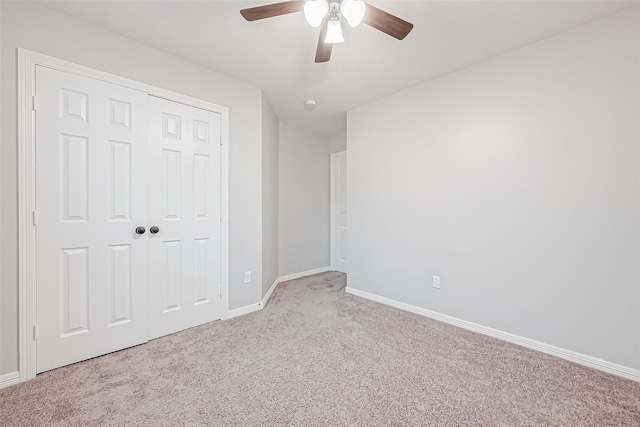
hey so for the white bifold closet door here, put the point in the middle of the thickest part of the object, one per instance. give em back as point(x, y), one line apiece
point(91, 194)
point(184, 201)
point(110, 160)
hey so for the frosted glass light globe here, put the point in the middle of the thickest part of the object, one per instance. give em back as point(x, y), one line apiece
point(353, 11)
point(315, 11)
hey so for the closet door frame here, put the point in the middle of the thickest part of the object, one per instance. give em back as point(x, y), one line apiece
point(27, 216)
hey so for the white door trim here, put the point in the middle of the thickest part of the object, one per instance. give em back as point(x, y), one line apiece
point(27, 62)
point(331, 206)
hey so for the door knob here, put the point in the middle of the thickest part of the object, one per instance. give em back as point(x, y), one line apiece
point(154, 230)
point(140, 230)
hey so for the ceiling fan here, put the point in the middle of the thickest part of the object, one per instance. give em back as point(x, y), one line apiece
point(326, 14)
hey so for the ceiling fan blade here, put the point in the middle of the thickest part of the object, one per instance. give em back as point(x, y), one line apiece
point(323, 52)
point(271, 10)
point(386, 22)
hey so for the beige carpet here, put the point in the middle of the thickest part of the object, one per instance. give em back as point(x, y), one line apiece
point(318, 357)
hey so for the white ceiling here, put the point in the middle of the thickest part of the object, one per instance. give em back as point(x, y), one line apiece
point(277, 54)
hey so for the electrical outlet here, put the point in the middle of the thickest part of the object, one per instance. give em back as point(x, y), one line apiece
point(436, 282)
point(247, 277)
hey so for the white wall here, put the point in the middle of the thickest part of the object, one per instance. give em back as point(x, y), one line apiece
point(304, 200)
point(517, 180)
point(34, 27)
point(338, 143)
point(270, 135)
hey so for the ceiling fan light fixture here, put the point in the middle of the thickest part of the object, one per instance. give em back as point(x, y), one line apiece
point(327, 15)
point(334, 32)
point(353, 11)
point(315, 11)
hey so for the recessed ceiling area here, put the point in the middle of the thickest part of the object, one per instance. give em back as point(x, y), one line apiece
point(277, 54)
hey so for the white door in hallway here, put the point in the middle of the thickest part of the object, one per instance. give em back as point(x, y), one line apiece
point(339, 211)
point(91, 186)
point(184, 196)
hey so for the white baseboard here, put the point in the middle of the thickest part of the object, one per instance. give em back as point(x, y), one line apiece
point(244, 310)
point(269, 292)
point(254, 307)
point(9, 379)
point(582, 359)
point(303, 274)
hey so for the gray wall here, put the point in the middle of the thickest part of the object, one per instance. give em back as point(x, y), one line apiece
point(517, 180)
point(10, 354)
point(338, 143)
point(304, 200)
point(270, 135)
point(34, 27)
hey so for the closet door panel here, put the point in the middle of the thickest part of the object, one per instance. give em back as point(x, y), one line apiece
point(184, 203)
point(91, 195)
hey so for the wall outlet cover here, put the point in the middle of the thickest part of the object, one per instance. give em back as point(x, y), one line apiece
point(436, 282)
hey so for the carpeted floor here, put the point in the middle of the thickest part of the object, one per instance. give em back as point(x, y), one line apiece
point(315, 356)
